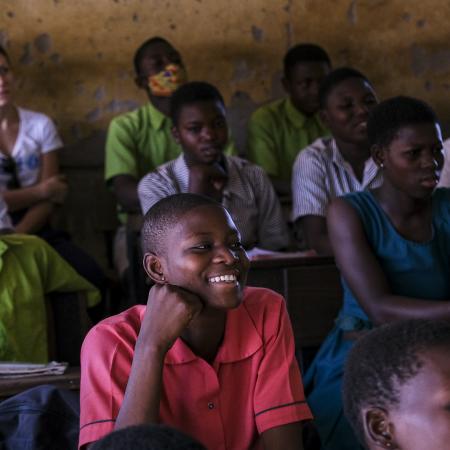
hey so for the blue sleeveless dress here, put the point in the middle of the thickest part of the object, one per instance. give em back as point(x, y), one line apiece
point(412, 269)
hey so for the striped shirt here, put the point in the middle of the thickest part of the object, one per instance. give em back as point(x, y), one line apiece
point(248, 196)
point(321, 173)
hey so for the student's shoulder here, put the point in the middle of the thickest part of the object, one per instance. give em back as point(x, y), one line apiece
point(263, 304)
point(132, 119)
point(269, 111)
point(33, 119)
point(244, 165)
point(318, 152)
point(123, 327)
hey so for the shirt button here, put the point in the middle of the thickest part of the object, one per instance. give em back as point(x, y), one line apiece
point(211, 405)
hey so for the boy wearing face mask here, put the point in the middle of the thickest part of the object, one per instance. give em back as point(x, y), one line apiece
point(141, 140)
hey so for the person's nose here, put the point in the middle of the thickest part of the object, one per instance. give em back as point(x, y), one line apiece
point(226, 255)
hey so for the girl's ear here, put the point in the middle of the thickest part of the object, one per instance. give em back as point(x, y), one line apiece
point(153, 268)
point(141, 82)
point(378, 430)
point(176, 135)
point(378, 154)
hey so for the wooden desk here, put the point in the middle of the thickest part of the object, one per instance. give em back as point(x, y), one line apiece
point(69, 380)
point(312, 289)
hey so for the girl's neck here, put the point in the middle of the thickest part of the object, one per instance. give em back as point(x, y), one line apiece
point(399, 204)
point(206, 332)
point(356, 154)
point(9, 115)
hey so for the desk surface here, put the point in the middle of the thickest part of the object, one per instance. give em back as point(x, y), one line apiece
point(69, 380)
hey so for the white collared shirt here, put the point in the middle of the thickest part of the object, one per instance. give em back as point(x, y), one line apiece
point(248, 196)
point(321, 173)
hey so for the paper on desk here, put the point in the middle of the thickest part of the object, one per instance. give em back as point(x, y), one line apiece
point(21, 370)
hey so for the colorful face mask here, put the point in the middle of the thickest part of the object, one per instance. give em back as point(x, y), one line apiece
point(164, 83)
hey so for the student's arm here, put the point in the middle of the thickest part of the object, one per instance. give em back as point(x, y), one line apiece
point(315, 232)
point(207, 179)
point(169, 311)
point(54, 187)
point(364, 275)
point(38, 214)
point(125, 188)
point(287, 437)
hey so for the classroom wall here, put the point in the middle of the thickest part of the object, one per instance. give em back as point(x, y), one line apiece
point(74, 58)
point(73, 61)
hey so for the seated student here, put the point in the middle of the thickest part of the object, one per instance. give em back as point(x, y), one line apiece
point(29, 270)
point(397, 385)
point(200, 127)
point(147, 437)
point(391, 245)
point(207, 356)
point(279, 130)
point(141, 140)
point(30, 182)
point(337, 165)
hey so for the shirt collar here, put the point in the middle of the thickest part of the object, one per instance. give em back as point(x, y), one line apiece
point(6, 241)
point(241, 340)
point(371, 170)
point(157, 118)
point(298, 119)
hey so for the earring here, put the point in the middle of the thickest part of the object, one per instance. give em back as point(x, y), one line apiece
point(381, 165)
point(162, 278)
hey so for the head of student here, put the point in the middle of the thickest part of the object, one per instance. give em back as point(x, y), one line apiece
point(406, 141)
point(197, 110)
point(190, 241)
point(6, 78)
point(159, 68)
point(396, 386)
point(147, 437)
point(346, 96)
point(305, 66)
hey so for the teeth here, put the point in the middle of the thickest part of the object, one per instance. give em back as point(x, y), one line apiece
point(223, 279)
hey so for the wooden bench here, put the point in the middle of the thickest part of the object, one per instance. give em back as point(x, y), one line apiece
point(312, 289)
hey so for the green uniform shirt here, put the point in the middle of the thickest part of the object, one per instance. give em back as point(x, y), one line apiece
point(30, 269)
point(276, 133)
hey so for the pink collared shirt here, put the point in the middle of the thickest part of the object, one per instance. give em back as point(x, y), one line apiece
point(253, 385)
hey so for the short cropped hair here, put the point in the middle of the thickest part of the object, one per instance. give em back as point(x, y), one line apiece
point(385, 359)
point(388, 117)
point(164, 215)
point(140, 52)
point(147, 437)
point(334, 78)
point(302, 53)
point(193, 92)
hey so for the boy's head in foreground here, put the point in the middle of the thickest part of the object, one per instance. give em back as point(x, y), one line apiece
point(305, 66)
point(197, 111)
point(396, 386)
point(190, 241)
point(406, 140)
point(147, 437)
point(159, 68)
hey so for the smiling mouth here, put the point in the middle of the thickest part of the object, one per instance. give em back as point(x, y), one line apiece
point(223, 279)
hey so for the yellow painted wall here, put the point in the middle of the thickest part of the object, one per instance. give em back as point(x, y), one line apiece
point(73, 58)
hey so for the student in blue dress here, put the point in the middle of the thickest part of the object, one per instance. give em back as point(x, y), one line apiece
point(392, 246)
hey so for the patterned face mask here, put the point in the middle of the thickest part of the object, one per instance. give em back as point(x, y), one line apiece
point(164, 83)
